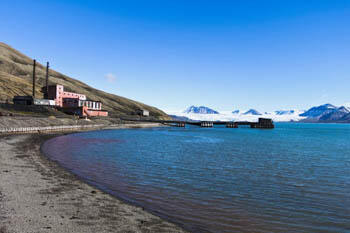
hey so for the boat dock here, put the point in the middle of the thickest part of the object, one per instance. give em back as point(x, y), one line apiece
point(263, 123)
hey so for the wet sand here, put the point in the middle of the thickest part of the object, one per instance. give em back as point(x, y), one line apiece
point(36, 195)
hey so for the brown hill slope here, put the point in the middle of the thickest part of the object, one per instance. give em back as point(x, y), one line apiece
point(16, 79)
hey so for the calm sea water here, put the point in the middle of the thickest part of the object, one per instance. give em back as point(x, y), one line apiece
point(295, 178)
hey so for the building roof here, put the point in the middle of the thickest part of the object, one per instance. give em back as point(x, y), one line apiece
point(23, 97)
point(92, 100)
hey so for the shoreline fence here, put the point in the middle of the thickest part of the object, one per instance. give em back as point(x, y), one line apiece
point(48, 128)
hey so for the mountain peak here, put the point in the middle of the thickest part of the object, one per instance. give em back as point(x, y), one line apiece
point(319, 111)
point(252, 112)
point(200, 110)
point(328, 106)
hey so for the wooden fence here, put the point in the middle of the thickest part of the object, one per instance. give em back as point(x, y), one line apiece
point(48, 128)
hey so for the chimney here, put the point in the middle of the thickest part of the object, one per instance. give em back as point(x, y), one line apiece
point(34, 64)
point(47, 81)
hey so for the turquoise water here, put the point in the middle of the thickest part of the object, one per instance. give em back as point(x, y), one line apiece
point(295, 178)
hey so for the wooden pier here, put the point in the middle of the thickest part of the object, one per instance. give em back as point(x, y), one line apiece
point(263, 123)
point(231, 125)
point(207, 124)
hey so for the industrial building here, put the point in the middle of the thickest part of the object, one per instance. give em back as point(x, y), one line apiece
point(68, 102)
point(142, 112)
point(57, 93)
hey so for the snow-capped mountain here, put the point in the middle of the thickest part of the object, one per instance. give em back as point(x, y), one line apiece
point(343, 109)
point(200, 110)
point(284, 112)
point(335, 115)
point(326, 112)
point(252, 112)
point(323, 113)
point(347, 106)
point(319, 111)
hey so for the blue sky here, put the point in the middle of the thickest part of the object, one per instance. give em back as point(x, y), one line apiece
point(227, 55)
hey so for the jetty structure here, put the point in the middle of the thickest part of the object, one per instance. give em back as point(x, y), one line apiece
point(262, 123)
point(67, 102)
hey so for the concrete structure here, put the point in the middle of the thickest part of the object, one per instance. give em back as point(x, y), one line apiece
point(69, 102)
point(29, 100)
point(84, 111)
point(44, 102)
point(143, 112)
point(57, 93)
point(264, 123)
point(91, 104)
point(23, 100)
point(74, 103)
point(83, 107)
point(93, 113)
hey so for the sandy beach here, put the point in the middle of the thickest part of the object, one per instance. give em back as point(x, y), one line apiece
point(36, 195)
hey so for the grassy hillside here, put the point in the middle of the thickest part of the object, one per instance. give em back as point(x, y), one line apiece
point(16, 79)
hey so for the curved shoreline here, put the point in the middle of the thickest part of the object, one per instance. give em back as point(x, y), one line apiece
point(38, 195)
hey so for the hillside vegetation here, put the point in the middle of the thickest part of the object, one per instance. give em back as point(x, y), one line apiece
point(16, 79)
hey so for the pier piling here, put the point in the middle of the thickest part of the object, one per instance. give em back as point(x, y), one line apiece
point(207, 124)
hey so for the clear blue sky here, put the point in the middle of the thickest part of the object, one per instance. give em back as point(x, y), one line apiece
point(227, 55)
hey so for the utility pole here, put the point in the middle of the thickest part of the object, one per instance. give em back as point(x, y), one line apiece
point(47, 80)
point(34, 64)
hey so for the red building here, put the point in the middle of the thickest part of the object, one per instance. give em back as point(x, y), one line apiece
point(84, 107)
point(57, 93)
point(75, 103)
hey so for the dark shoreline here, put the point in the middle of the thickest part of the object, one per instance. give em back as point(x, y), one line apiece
point(113, 194)
point(85, 210)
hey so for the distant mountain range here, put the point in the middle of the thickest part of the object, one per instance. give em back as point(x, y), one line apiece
point(252, 112)
point(180, 118)
point(318, 111)
point(200, 110)
point(326, 113)
point(283, 112)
